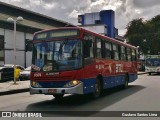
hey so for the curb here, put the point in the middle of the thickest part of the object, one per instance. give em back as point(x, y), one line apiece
point(142, 73)
point(14, 91)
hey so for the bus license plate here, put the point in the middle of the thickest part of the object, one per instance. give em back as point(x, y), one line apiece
point(52, 90)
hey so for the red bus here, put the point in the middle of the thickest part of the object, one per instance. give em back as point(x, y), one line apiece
point(73, 60)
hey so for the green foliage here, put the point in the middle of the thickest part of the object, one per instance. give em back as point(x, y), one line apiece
point(145, 34)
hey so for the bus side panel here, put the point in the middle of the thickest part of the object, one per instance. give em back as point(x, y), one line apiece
point(113, 81)
point(108, 82)
point(132, 77)
point(88, 85)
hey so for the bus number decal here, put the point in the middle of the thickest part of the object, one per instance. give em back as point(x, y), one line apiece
point(37, 75)
point(110, 68)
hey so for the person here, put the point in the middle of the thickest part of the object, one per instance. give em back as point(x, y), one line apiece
point(17, 73)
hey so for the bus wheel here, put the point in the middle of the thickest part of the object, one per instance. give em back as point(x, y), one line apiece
point(97, 89)
point(149, 73)
point(58, 96)
point(126, 82)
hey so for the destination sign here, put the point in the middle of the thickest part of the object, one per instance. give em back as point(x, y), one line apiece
point(63, 33)
point(41, 36)
point(56, 34)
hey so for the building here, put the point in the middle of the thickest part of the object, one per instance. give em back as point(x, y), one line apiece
point(33, 22)
point(102, 22)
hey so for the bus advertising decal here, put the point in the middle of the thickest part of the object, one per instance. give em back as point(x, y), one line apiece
point(110, 68)
point(35, 67)
point(51, 74)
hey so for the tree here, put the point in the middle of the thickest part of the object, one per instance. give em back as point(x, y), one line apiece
point(145, 34)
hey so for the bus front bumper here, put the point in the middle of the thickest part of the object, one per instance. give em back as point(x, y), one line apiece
point(78, 89)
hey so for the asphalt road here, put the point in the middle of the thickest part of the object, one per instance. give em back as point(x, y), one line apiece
point(142, 95)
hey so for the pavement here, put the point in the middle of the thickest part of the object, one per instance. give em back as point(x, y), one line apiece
point(9, 87)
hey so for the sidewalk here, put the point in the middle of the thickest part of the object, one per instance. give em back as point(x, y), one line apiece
point(9, 88)
point(21, 86)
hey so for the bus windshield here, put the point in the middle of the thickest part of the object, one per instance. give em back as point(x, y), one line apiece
point(57, 55)
point(153, 62)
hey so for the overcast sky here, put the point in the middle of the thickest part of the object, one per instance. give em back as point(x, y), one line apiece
point(68, 10)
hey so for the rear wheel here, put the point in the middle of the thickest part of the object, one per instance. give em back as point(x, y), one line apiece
point(149, 73)
point(97, 89)
point(58, 96)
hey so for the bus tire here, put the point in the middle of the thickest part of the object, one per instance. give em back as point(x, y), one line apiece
point(126, 81)
point(149, 73)
point(97, 89)
point(58, 96)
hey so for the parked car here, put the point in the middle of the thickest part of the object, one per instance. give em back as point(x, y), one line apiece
point(6, 73)
point(12, 65)
point(25, 74)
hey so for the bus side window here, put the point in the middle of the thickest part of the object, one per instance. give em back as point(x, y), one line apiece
point(88, 49)
point(133, 55)
point(99, 48)
point(115, 52)
point(108, 50)
point(123, 53)
point(128, 54)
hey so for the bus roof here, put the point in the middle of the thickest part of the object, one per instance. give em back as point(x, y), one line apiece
point(112, 40)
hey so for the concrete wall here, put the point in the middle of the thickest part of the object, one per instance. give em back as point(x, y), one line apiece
point(90, 18)
point(101, 29)
point(22, 58)
point(1, 31)
point(29, 54)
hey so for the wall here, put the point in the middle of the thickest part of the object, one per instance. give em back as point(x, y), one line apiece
point(9, 46)
point(2, 52)
point(29, 54)
point(22, 58)
point(1, 31)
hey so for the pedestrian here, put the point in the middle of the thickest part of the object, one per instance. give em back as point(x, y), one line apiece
point(17, 73)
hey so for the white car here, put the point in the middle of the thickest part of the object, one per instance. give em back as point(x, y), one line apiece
point(12, 65)
point(25, 74)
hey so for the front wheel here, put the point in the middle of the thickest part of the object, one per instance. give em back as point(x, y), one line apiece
point(149, 73)
point(58, 96)
point(97, 89)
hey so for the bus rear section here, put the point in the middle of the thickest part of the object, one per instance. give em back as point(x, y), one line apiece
point(77, 61)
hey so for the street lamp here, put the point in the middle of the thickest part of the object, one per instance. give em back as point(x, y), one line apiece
point(15, 21)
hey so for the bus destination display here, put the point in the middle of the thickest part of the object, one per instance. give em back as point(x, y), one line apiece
point(56, 34)
point(64, 33)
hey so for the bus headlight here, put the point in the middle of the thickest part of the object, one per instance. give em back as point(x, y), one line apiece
point(35, 84)
point(72, 83)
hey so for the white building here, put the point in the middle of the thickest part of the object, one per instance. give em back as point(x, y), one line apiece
point(32, 22)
